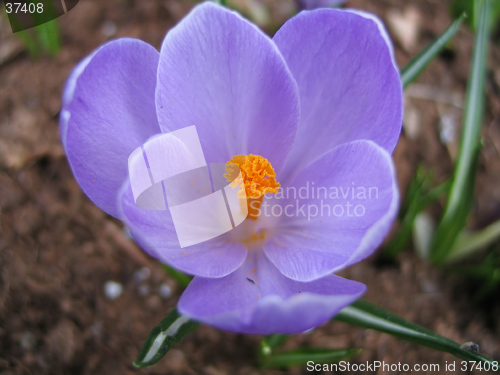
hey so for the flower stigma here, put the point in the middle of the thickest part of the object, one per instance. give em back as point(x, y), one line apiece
point(257, 178)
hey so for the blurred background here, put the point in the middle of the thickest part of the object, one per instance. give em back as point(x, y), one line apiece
point(77, 296)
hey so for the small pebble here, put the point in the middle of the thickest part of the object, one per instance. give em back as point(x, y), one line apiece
point(470, 347)
point(142, 274)
point(27, 341)
point(143, 290)
point(447, 130)
point(429, 287)
point(165, 292)
point(112, 290)
point(109, 29)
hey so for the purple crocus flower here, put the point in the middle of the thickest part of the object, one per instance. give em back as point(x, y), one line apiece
point(321, 103)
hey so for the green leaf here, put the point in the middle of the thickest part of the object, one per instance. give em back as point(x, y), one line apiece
point(27, 39)
point(367, 315)
point(423, 231)
point(411, 71)
point(469, 6)
point(47, 32)
point(166, 334)
point(271, 342)
point(462, 188)
point(483, 277)
point(302, 356)
point(459, 7)
point(48, 35)
point(30, 43)
point(418, 196)
point(470, 242)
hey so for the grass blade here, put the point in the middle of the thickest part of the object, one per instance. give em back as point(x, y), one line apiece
point(48, 31)
point(166, 334)
point(470, 242)
point(418, 196)
point(462, 187)
point(411, 71)
point(30, 43)
point(271, 342)
point(48, 35)
point(367, 315)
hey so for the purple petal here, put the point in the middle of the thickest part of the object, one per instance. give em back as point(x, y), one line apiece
point(257, 299)
point(219, 72)
point(381, 29)
point(340, 209)
point(154, 231)
point(109, 111)
point(349, 87)
point(69, 91)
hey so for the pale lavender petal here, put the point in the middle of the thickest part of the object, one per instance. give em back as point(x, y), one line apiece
point(257, 299)
point(219, 72)
point(109, 111)
point(381, 28)
point(349, 87)
point(335, 213)
point(69, 90)
point(154, 231)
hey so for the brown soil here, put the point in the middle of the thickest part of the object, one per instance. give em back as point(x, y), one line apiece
point(57, 249)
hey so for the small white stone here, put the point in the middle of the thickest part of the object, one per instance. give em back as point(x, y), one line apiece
point(405, 26)
point(27, 341)
point(470, 347)
point(165, 292)
point(447, 130)
point(108, 29)
point(142, 274)
point(112, 290)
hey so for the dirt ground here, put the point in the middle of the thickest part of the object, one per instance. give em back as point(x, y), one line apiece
point(57, 250)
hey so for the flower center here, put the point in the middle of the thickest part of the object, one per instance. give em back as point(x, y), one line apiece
point(259, 179)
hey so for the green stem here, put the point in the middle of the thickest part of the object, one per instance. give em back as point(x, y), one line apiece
point(411, 71)
point(462, 188)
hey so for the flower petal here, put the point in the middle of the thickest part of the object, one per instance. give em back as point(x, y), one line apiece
point(257, 299)
point(349, 87)
point(339, 210)
point(219, 72)
point(154, 231)
point(381, 29)
point(109, 110)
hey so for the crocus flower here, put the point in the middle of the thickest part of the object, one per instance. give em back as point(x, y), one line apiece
point(318, 105)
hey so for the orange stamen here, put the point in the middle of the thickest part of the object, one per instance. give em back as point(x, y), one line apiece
point(259, 179)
